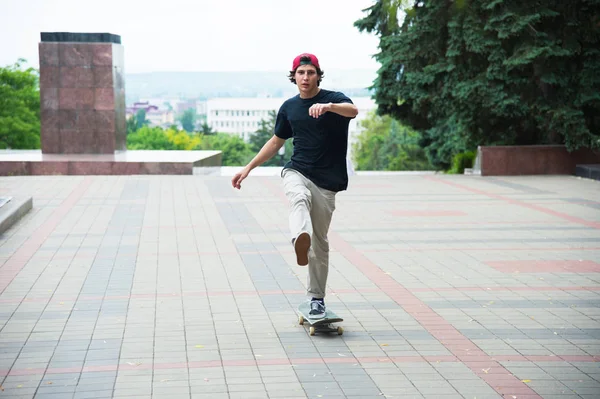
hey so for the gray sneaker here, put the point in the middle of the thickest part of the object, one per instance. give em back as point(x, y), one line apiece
point(317, 310)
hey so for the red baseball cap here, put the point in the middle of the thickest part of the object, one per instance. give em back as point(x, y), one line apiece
point(313, 60)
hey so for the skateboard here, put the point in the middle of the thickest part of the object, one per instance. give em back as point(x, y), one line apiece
point(324, 324)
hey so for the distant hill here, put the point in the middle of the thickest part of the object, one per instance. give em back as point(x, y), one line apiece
point(237, 84)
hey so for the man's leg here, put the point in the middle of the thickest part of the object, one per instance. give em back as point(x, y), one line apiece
point(297, 192)
point(323, 205)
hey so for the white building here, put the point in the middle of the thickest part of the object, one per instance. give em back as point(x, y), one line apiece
point(242, 116)
point(239, 116)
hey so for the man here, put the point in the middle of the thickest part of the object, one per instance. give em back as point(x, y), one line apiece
point(317, 120)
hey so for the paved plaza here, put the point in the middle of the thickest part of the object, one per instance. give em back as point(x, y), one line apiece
point(182, 287)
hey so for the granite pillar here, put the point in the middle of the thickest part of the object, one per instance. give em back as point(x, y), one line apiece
point(82, 93)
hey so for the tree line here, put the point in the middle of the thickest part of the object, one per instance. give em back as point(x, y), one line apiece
point(453, 75)
point(235, 151)
point(465, 73)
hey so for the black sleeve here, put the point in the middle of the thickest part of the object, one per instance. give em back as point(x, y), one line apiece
point(283, 130)
point(339, 97)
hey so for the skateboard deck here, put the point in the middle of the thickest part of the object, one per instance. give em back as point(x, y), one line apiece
point(324, 324)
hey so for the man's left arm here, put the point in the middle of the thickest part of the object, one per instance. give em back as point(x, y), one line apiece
point(348, 110)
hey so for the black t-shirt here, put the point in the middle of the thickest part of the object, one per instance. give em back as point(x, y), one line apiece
point(320, 144)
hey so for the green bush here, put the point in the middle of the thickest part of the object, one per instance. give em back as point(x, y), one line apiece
point(461, 161)
point(386, 144)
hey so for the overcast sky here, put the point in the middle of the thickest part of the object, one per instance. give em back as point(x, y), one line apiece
point(199, 35)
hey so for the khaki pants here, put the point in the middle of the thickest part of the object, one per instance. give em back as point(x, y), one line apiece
point(311, 209)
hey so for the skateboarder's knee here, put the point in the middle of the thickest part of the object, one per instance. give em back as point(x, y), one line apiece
point(300, 198)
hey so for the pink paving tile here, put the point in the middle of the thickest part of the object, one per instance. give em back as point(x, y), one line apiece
point(483, 366)
point(439, 329)
point(441, 359)
point(564, 216)
point(307, 361)
point(407, 359)
point(539, 266)
point(536, 396)
point(516, 392)
point(208, 363)
point(485, 249)
point(469, 289)
point(580, 358)
point(471, 356)
point(489, 370)
point(370, 185)
point(99, 368)
point(500, 376)
point(19, 259)
point(273, 362)
point(508, 358)
point(376, 360)
point(428, 213)
point(549, 358)
point(342, 360)
point(395, 290)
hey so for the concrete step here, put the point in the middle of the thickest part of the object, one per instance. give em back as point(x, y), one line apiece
point(588, 171)
point(12, 210)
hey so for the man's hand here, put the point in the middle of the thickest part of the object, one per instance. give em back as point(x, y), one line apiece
point(319, 109)
point(236, 181)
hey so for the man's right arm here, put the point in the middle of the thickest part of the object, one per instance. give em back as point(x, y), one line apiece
point(266, 152)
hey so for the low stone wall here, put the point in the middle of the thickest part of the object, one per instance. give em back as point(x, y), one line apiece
point(127, 163)
point(533, 160)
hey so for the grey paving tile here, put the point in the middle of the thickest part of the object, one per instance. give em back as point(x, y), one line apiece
point(444, 265)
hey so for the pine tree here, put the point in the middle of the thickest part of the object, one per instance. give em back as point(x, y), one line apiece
point(483, 72)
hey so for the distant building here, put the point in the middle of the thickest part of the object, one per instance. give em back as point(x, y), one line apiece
point(163, 118)
point(242, 116)
point(239, 116)
point(156, 117)
point(201, 112)
point(145, 105)
point(182, 106)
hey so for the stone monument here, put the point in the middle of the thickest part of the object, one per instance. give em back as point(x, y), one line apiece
point(82, 108)
point(82, 93)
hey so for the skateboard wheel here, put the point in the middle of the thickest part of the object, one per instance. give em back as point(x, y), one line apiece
point(301, 320)
point(340, 330)
point(311, 331)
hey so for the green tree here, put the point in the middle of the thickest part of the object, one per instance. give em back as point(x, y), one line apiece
point(140, 119)
point(149, 138)
point(181, 140)
point(235, 151)
point(188, 120)
point(19, 107)
point(137, 121)
point(385, 144)
point(485, 72)
point(206, 130)
point(263, 134)
point(131, 125)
